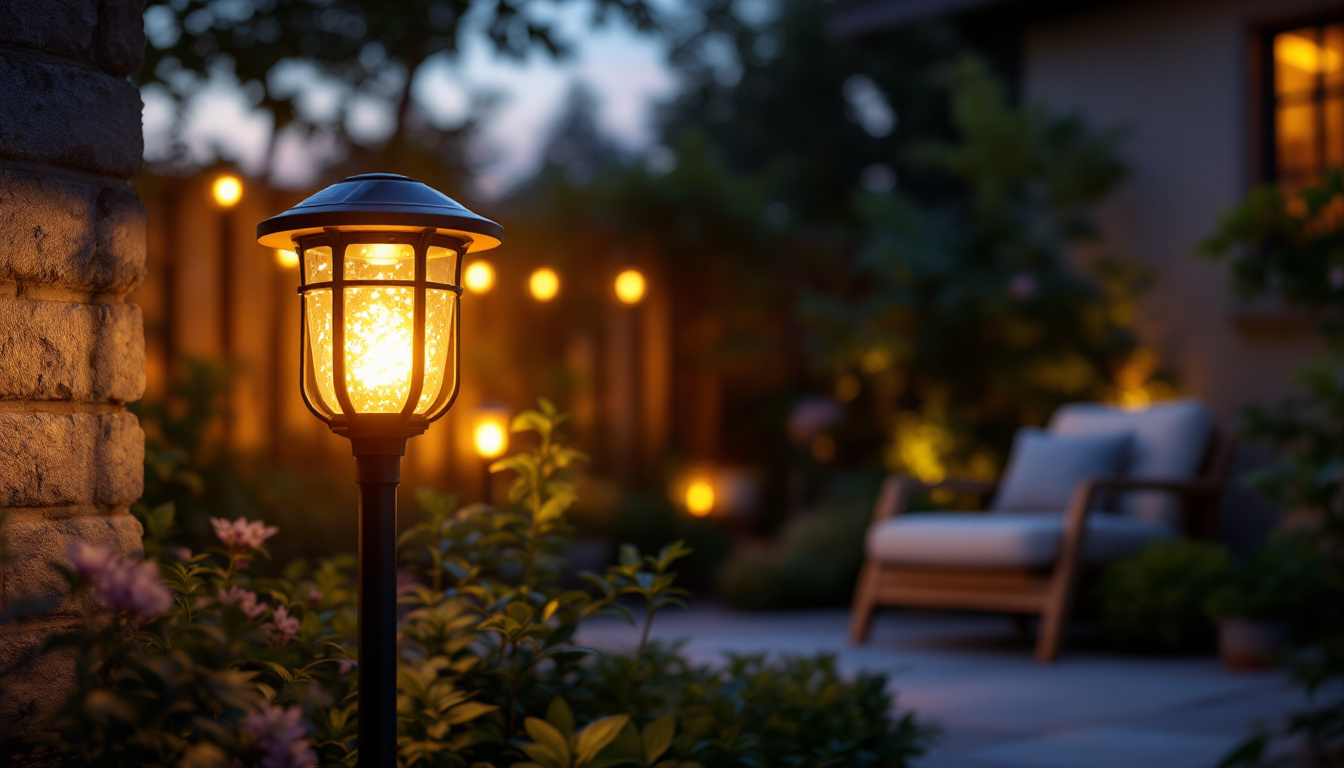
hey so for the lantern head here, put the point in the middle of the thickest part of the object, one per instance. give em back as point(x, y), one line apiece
point(380, 259)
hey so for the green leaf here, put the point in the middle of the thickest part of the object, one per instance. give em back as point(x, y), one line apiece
point(560, 715)
point(596, 736)
point(468, 711)
point(550, 737)
point(530, 421)
point(658, 736)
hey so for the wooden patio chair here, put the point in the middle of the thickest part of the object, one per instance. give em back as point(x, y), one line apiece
point(1030, 562)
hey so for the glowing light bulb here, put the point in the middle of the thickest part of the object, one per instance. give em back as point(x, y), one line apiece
point(479, 277)
point(227, 190)
point(700, 498)
point(286, 258)
point(384, 254)
point(630, 287)
point(491, 439)
point(544, 284)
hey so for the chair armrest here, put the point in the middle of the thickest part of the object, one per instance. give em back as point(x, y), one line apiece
point(1084, 497)
point(896, 491)
point(1177, 487)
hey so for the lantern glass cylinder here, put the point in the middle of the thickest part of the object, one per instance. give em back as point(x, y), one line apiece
point(368, 305)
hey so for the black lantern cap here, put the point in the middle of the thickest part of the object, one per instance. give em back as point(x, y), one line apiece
point(380, 201)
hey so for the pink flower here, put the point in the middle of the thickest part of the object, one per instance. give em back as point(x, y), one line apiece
point(89, 560)
point(282, 626)
point(244, 600)
point(345, 665)
point(183, 553)
point(1022, 286)
point(120, 584)
point(134, 588)
point(315, 597)
point(280, 737)
point(241, 535)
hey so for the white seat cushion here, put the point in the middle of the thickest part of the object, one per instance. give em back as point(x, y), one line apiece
point(1168, 442)
point(1003, 539)
point(1044, 470)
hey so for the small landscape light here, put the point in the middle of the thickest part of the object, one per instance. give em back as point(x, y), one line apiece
point(490, 431)
point(227, 190)
point(700, 497)
point(479, 277)
point(544, 284)
point(630, 287)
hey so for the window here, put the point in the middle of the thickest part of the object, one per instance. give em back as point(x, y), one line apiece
point(1306, 100)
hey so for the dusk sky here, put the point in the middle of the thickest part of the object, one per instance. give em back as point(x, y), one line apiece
point(627, 70)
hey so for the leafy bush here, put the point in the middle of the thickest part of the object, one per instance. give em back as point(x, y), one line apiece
point(1291, 244)
point(814, 562)
point(196, 660)
point(1278, 582)
point(1154, 602)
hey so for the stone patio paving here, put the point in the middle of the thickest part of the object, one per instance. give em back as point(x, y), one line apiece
point(1000, 709)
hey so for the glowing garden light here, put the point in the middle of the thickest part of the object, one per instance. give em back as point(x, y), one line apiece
point(227, 190)
point(630, 287)
point(700, 497)
point(379, 261)
point(479, 277)
point(544, 284)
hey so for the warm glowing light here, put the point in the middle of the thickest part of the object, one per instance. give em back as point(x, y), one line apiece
point(479, 277)
point(630, 286)
point(380, 328)
point(700, 498)
point(227, 190)
point(491, 439)
point(544, 284)
point(1306, 55)
point(286, 258)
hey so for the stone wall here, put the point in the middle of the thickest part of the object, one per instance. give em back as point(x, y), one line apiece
point(72, 245)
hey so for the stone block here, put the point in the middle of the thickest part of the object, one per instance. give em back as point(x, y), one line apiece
point(59, 351)
point(32, 683)
point(122, 239)
point(60, 232)
point(65, 459)
point(69, 116)
point(121, 36)
point(35, 543)
point(58, 27)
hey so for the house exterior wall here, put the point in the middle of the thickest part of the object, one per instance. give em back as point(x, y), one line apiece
point(1178, 75)
point(72, 244)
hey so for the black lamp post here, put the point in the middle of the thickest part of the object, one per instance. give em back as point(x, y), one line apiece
point(380, 257)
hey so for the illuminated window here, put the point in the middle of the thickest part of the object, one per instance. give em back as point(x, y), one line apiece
point(1306, 120)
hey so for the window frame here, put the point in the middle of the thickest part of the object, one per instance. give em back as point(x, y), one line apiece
point(1264, 95)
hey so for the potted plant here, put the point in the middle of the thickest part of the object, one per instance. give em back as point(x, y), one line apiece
point(1262, 599)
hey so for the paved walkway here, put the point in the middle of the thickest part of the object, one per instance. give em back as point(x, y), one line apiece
point(998, 707)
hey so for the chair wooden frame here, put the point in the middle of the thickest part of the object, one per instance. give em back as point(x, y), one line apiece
point(1047, 592)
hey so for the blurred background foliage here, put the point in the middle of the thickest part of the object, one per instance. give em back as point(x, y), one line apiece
point(876, 225)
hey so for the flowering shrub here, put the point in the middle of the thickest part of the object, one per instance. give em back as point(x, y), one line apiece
point(197, 661)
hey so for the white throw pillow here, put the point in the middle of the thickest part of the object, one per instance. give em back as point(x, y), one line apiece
point(1169, 441)
point(1044, 469)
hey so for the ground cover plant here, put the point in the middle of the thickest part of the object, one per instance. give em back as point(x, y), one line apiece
point(1290, 245)
point(193, 659)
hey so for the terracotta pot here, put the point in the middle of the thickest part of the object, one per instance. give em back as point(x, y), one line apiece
point(1250, 644)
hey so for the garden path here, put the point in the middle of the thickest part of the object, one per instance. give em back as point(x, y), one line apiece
point(1000, 709)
